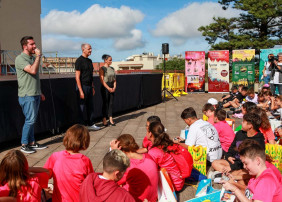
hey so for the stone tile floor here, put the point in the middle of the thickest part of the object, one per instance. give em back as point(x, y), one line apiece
point(134, 124)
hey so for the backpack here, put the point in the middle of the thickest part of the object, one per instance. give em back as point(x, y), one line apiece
point(182, 158)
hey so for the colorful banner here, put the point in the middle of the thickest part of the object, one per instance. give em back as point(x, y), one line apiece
point(195, 71)
point(218, 71)
point(263, 58)
point(243, 67)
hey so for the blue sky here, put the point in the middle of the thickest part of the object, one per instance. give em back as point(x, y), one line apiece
point(125, 27)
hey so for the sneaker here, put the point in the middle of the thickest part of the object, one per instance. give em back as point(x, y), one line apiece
point(27, 149)
point(37, 146)
point(214, 174)
point(93, 127)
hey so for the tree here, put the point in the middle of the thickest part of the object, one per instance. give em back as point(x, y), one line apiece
point(258, 26)
point(173, 64)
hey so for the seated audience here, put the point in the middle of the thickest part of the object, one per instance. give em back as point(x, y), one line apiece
point(20, 181)
point(262, 102)
point(163, 153)
point(250, 130)
point(238, 99)
point(225, 132)
point(70, 167)
point(147, 144)
point(252, 96)
point(226, 98)
point(201, 133)
point(208, 110)
point(141, 178)
point(104, 187)
point(264, 185)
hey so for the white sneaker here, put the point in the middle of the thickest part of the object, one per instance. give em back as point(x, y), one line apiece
point(214, 174)
point(93, 127)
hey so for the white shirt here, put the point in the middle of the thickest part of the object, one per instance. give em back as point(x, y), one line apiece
point(203, 133)
point(254, 100)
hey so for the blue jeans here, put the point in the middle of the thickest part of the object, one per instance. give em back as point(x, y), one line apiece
point(266, 79)
point(30, 107)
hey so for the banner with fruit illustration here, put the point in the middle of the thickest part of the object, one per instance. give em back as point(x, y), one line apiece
point(218, 71)
point(243, 67)
point(195, 71)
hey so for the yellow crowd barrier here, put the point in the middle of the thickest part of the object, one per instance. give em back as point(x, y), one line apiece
point(175, 82)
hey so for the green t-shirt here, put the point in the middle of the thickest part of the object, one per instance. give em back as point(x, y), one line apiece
point(109, 74)
point(28, 84)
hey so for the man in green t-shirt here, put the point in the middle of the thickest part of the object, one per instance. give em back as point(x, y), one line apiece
point(29, 91)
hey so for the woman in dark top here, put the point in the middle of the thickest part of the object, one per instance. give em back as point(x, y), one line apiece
point(108, 88)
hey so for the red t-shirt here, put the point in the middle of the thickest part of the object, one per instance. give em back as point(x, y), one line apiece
point(165, 160)
point(268, 134)
point(266, 187)
point(37, 182)
point(141, 179)
point(147, 143)
point(69, 171)
point(225, 133)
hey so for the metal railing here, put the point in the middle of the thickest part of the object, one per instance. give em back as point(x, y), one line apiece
point(7, 62)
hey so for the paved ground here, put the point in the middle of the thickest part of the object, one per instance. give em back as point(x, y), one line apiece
point(134, 124)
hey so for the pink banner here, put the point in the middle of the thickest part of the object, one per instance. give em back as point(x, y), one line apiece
point(195, 71)
point(218, 71)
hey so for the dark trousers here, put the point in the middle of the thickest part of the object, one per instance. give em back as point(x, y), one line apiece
point(108, 100)
point(86, 106)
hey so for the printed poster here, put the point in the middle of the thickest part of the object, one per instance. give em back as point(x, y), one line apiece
point(195, 71)
point(218, 71)
point(264, 58)
point(243, 67)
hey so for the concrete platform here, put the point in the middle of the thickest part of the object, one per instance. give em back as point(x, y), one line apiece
point(134, 124)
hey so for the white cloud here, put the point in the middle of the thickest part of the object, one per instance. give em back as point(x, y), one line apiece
point(55, 44)
point(184, 23)
point(130, 42)
point(95, 22)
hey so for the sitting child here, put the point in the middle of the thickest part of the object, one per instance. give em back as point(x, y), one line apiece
point(104, 187)
point(142, 177)
point(146, 143)
point(262, 102)
point(209, 110)
point(250, 130)
point(225, 132)
point(70, 167)
point(226, 98)
point(252, 96)
point(19, 181)
point(264, 185)
point(238, 99)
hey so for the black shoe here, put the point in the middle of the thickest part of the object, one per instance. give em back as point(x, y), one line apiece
point(27, 149)
point(37, 146)
point(112, 124)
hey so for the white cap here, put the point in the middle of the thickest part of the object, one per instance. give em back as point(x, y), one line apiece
point(212, 101)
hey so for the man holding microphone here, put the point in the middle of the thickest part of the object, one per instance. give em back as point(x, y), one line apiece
point(29, 91)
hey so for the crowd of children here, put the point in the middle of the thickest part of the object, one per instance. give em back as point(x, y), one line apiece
point(131, 173)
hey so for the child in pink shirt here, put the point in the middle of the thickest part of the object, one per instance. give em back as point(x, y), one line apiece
point(70, 167)
point(264, 185)
point(225, 132)
point(141, 178)
point(14, 172)
point(209, 110)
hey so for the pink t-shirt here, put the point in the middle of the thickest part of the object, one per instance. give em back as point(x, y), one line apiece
point(275, 170)
point(268, 134)
point(141, 179)
point(147, 143)
point(69, 171)
point(266, 187)
point(225, 133)
point(165, 160)
point(37, 182)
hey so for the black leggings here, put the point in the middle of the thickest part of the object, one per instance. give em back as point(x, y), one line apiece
point(108, 100)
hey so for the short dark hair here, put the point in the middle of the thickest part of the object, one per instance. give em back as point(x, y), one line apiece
point(251, 150)
point(234, 88)
point(250, 91)
point(207, 107)
point(151, 119)
point(220, 114)
point(25, 39)
point(253, 119)
point(77, 138)
point(105, 57)
point(249, 106)
point(115, 160)
point(188, 113)
point(244, 89)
